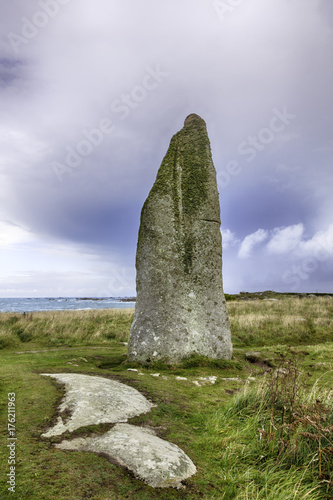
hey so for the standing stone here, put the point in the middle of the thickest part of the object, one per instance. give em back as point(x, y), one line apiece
point(180, 308)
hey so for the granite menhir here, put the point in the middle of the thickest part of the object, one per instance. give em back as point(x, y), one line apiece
point(180, 307)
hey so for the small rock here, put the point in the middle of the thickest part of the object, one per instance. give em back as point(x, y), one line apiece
point(132, 370)
point(181, 378)
point(211, 379)
point(231, 391)
point(155, 374)
point(232, 379)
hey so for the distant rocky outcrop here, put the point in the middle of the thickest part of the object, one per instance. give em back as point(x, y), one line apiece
point(180, 308)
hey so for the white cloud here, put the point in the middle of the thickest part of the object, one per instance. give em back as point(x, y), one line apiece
point(250, 242)
point(229, 238)
point(38, 266)
point(11, 234)
point(320, 246)
point(289, 242)
point(285, 239)
point(287, 261)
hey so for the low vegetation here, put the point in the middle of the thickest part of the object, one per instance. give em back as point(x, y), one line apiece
point(65, 328)
point(262, 431)
point(289, 320)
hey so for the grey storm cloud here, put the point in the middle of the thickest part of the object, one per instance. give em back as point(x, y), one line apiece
point(91, 93)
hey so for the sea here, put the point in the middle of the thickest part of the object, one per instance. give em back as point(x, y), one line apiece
point(26, 305)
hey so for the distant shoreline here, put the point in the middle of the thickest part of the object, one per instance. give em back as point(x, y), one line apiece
point(27, 305)
point(118, 299)
point(30, 304)
point(270, 294)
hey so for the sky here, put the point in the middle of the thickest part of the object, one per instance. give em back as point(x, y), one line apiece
point(90, 96)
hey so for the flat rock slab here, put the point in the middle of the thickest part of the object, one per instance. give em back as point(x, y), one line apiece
point(95, 400)
point(157, 462)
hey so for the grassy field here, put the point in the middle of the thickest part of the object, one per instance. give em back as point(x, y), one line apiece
point(262, 431)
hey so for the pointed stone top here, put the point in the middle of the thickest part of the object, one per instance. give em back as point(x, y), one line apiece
point(194, 120)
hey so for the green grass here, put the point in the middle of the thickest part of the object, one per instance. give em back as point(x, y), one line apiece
point(216, 425)
point(288, 321)
point(64, 328)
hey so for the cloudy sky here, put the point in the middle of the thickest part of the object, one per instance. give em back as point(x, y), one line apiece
point(90, 96)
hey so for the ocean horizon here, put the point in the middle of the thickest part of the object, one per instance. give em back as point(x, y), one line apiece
point(34, 304)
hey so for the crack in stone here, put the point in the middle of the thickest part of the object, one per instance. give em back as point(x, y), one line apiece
point(210, 220)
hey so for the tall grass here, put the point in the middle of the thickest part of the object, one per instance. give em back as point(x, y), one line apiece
point(277, 439)
point(289, 320)
point(56, 328)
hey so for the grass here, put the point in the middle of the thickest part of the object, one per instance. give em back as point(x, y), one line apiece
point(289, 320)
point(281, 434)
point(253, 434)
point(69, 328)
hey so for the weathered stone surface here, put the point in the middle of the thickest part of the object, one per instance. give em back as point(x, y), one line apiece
point(95, 400)
point(159, 463)
point(180, 308)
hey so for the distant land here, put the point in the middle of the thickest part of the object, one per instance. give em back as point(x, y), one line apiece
point(119, 299)
point(268, 294)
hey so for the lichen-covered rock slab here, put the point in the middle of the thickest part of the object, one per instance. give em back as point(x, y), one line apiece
point(157, 462)
point(180, 308)
point(91, 400)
